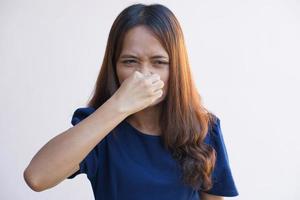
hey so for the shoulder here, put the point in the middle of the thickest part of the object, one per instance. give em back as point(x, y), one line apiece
point(214, 129)
point(81, 113)
point(214, 124)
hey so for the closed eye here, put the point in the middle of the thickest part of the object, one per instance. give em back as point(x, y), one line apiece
point(128, 61)
point(156, 62)
point(162, 62)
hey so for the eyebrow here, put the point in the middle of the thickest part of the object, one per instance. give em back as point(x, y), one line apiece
point(132, 56)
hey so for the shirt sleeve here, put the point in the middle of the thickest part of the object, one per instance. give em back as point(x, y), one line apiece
point(89, 164)
point(222, 177)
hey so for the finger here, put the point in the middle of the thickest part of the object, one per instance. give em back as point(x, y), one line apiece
point(153, 78)
point(138, 74)
point(158, 85)
point(158, 93)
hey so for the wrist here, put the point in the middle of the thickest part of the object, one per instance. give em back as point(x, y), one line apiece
point(117, 106)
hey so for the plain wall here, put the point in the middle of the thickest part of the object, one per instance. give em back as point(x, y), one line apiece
point(244, 57)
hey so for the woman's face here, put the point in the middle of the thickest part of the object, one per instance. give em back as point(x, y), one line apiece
point(143, 52)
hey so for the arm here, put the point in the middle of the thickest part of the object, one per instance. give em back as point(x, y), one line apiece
point(206, 196)
point(60, 157)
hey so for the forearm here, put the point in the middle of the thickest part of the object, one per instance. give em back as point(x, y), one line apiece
point(57, 158)
point(206, 196)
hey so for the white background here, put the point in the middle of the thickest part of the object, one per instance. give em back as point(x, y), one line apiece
point(244, 57)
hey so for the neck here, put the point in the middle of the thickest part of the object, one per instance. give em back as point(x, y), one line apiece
point(147, 120)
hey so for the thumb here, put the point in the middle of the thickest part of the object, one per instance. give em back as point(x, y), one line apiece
point(138, 74)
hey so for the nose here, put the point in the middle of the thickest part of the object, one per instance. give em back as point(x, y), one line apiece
point(146, 71)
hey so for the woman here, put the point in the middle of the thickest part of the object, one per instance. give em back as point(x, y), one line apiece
point(144, 134)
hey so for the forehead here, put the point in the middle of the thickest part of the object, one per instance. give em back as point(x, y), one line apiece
point(140, 41)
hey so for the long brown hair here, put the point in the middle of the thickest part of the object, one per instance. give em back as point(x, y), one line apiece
point(184, 120)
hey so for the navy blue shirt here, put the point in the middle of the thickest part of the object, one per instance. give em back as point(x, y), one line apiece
point(131, 165)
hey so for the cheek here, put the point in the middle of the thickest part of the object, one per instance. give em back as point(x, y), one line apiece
point(123, 73)
point(166, 87)
point(165, 78)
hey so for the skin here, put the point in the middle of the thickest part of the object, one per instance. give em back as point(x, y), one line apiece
point(206, 196)
point(42, 174)
point(139, 48)
point(55, 161)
